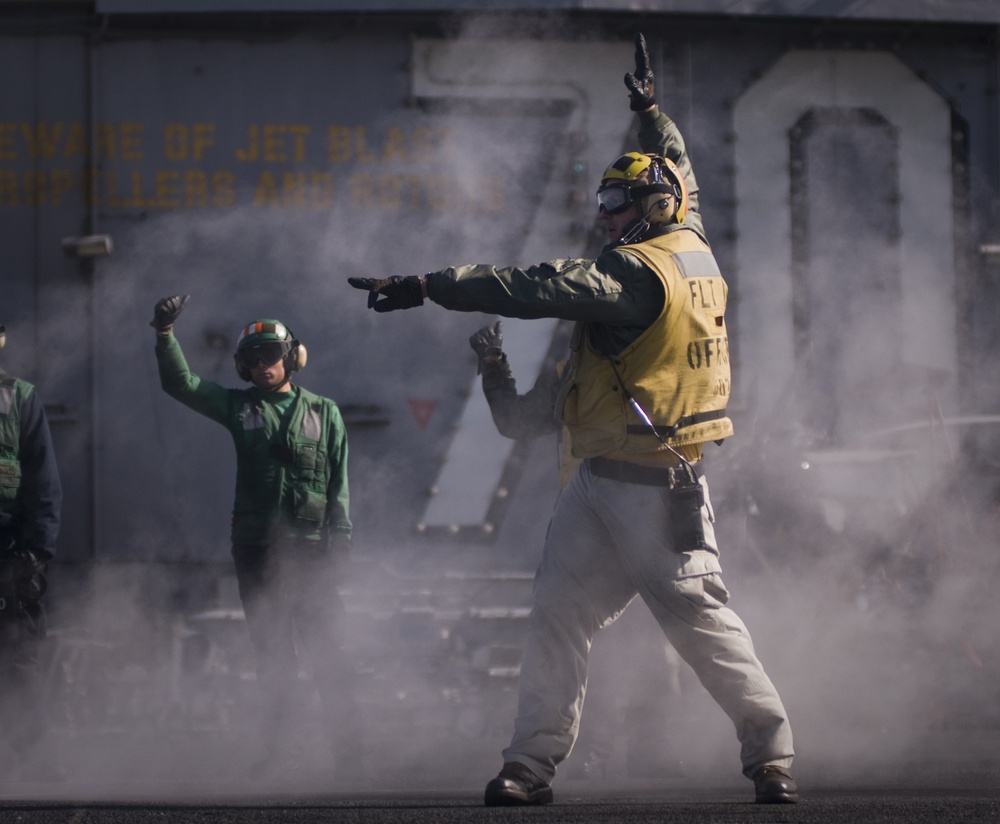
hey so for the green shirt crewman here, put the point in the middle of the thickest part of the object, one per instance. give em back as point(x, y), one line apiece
point(291, 532)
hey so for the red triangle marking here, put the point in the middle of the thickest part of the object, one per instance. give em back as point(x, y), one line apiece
point(422, 410)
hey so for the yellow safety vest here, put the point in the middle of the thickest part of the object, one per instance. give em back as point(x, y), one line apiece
point(677, 369)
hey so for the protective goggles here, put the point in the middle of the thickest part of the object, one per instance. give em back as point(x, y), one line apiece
point(614, 199)
point(268, 353)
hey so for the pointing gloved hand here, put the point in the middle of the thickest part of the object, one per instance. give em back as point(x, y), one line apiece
point(395, 292)
point(640, 85)
point(167, 311)
point(487, 343)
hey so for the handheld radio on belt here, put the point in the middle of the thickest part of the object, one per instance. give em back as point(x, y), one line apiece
point(685, 495)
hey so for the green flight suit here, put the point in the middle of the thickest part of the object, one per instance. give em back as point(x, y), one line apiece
point(291, 534)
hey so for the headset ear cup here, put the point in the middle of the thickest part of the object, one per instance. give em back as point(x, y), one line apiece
point(301, 356)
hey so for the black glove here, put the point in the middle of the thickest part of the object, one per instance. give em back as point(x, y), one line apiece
point(167, 310)
point(487, 343)
point(396, 292)
point(640, 85)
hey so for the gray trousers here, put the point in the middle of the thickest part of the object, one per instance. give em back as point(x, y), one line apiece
point(607, 542)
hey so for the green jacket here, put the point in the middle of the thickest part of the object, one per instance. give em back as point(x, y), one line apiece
point(616, 293)
point(30, 489)
point(291, 453)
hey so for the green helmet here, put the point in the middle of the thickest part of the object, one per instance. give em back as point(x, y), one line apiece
point(268, 340)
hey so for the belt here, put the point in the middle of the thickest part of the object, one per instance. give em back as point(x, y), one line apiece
point(632, 473)
point(670, 431)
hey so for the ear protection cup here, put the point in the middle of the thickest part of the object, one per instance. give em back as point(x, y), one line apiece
point(298, 356)
point(3, 336)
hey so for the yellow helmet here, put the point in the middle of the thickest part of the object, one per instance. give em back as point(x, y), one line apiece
point(642, 179)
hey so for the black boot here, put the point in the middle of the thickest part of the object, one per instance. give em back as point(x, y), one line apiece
point(775, 785)
point(517, 786)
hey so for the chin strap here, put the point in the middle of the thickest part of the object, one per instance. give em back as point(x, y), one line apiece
point(636, 232)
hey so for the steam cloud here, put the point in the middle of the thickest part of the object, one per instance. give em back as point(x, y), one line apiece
point(863, 578)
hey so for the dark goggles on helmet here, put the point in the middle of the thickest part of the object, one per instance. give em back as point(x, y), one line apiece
point(268, 353)
point(617, 197)
point(614, 198)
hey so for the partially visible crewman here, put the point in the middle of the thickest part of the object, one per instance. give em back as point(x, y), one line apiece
point(30, 503)
point(517, 416)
